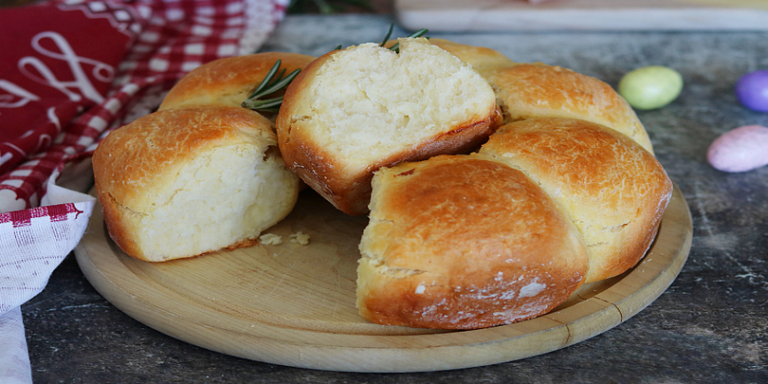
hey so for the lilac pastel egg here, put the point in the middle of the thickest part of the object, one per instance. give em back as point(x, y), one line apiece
point(740, 150)
point(752, 90)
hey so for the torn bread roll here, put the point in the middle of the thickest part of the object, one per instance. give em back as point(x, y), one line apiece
point(534, 90)
point(464, 242)
point(356, 110)
point(228, 81)
point(508, 233)
point(183, 182)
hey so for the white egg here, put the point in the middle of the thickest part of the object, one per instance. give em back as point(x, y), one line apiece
point(740, 150)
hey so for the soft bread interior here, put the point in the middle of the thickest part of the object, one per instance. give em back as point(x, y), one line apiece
point(369, 102)
point(183, 182)
point(225, 196)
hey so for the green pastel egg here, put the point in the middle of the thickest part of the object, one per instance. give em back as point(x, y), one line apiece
point(651, 87)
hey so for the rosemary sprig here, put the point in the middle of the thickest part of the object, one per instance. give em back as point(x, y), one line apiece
point(389, 33)
point(269, 85)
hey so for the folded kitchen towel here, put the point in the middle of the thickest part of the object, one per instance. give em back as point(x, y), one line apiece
point(71, 71)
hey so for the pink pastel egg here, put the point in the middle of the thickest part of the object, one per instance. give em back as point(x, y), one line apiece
point(740, 150)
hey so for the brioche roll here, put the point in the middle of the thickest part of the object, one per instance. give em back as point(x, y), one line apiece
point(355, 110)
point(228, 81)
point(463, 242)
point(613, 190)
point(537, 90)
point(182, 182)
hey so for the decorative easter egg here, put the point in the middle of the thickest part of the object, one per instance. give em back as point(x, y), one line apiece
point(752, 90)
point(651, 87)
point(740, 150)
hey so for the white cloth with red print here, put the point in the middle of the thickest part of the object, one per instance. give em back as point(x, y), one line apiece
point(70, 72)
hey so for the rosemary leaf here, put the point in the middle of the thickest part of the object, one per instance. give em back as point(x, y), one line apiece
point(280, 84)
point(269, 85)
point(282, 73)
point(389, 33)
point(264, 83)
point(268, 103)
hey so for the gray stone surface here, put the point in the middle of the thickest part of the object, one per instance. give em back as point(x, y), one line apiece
point(710, 326)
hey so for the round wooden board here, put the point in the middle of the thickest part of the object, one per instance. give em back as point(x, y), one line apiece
point(294, 304)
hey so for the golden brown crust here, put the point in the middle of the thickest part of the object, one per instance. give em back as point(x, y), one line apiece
point(462, 242)
point(228, 81)
point(537, 90)
point(610, 187)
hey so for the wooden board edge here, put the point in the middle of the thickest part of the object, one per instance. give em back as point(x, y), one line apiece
point(503, 348)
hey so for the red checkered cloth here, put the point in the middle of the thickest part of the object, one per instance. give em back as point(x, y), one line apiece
point(72, 71)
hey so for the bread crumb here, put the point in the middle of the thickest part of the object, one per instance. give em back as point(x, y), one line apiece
point(270, 239)
point(300, 238)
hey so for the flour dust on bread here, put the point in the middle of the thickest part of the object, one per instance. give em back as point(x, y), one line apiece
point(464, 242)
point(356, 110)
point(186, 181)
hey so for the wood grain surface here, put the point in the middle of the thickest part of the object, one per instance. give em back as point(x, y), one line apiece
point(618, 15)
point(294, 304)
